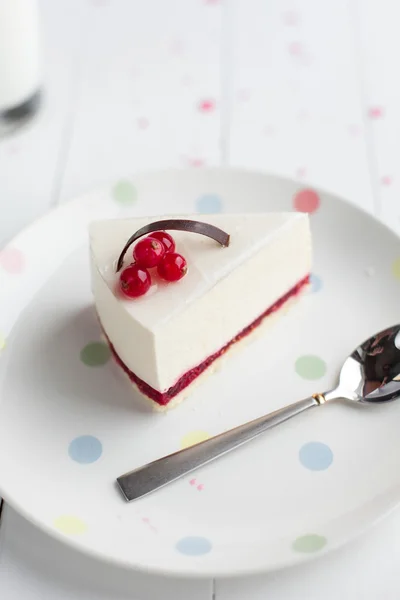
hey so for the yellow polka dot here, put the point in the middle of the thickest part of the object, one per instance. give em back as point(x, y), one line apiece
point(2, 343)
point(194, 437)
point(70, 525)
point(396, 268)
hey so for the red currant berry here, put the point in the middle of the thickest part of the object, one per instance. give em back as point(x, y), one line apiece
point(134, 281)
point(148, 252)
point(172, 267)
point(166, 239)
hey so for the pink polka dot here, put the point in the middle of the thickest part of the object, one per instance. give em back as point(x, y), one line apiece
point(354, 130)
point(207, 105)
point(176, 47)
point(243, 95)
point(296, 49)
point(291, 18)
point(375, 112)
point(142, 123)
point(12, 260)
point(13, 149)
point(386, 180)
point(306, 201)
point(193, 162)
point(301, 172)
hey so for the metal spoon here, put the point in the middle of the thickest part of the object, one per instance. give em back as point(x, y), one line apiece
point(370, 375)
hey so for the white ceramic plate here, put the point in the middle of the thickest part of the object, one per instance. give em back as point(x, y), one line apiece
point(69, 424)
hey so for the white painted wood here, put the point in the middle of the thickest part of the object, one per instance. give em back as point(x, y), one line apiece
point(296, 104)
point(146, 71)
point(30, 159)
point(379, 43)
point(34, 566)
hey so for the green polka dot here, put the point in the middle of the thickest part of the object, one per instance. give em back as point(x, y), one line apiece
point(124, 192)
point(309, 543)
point(310, 367)
point(396, 268)
point(95, 354)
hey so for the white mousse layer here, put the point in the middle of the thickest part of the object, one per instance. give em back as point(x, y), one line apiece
point(176, 326)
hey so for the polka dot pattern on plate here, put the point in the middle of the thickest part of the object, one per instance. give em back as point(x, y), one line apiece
point(396, 268)
point(209, 203)
point(124, 192)
point(85, 449)
point(12, 260)
point(306, 201)
point(316, 456)
point(70, 525)
point(95, 354)
point(194, 546)
point(194, 437)
point(207, 105)
point(316, 283)
point(308, 544)
point(310, 367)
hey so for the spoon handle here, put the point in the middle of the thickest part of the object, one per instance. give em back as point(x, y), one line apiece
point(160, 472)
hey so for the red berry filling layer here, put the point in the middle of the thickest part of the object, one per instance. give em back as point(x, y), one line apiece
point(163, 398)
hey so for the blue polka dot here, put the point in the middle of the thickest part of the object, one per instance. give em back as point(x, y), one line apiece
point(316, 456)
point(85, 449)
point(209, 203)
point(316, 283)
point(194, 546)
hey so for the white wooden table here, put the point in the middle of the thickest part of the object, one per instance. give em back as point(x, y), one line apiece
point(304, 88)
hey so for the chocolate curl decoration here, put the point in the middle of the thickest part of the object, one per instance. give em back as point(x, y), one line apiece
point(176, 225)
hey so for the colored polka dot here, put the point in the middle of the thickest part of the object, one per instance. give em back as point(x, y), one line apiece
point(310, 367)
point(124, 192)
point(70, 525)
point(309, 543)
point(142, 123)
point(209, 203)
point(396, 268)
point(306, 201)
point(85, 449)
point(386, 180)
point(206, 106)
point(194, 437)
point(12, 260)
point(296, 48)
point(316, 283)
point(375, 112)
point(2, 343)
point(194, 546)
point(316, 456)
point(95, 354)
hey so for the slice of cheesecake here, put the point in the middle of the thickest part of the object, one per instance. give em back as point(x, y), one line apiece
point(176, 332)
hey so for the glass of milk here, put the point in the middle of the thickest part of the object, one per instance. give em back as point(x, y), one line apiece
point(19, 62)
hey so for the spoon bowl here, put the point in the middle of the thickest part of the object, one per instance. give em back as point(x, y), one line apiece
point(371, 374)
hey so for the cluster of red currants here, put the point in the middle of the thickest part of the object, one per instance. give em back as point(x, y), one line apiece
point(156, 250)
